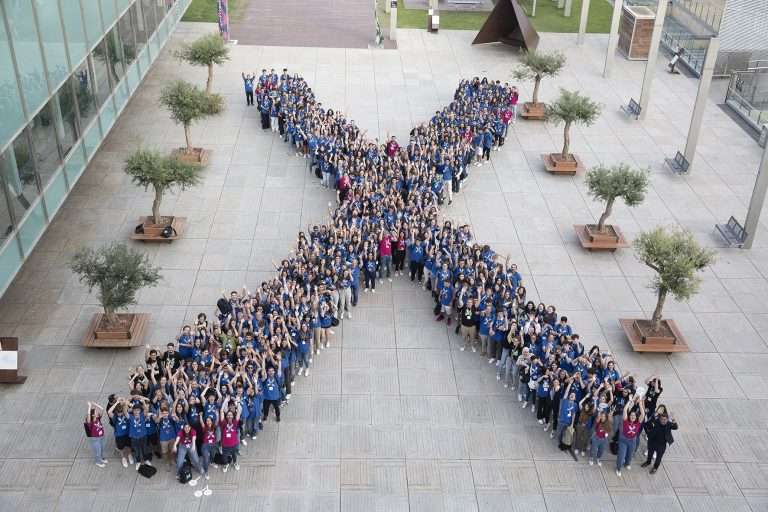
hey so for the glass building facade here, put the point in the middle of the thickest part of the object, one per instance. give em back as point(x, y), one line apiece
point(67, 70)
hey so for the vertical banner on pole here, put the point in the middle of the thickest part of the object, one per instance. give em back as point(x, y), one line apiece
point(224, 19)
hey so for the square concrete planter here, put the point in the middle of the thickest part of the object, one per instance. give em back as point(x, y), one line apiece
point(533, 111)
point(129, 334)
point(556, 164)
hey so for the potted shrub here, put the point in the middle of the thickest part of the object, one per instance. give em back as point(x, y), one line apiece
point(607, 184)
point(151, 169)
point(571, 107)
point(118, 273)
point(676, 257)
point(205, 51)
point(535, 65)
point(187, 104)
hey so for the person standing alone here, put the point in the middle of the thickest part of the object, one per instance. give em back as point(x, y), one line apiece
point(659, 430)
point(248, 83)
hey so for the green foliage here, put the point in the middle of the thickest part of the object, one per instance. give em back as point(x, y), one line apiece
point(609, 183)
point(116, 271)
point(149, 168)
point(204, 51)
point(535, 64)
point(188, 103)
point(572, 107)
point(676, 257)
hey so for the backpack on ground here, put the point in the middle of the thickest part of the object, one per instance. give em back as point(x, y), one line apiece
point(147, 471)
point(185, 473)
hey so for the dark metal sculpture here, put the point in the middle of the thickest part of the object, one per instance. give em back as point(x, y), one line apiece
point(508, 24)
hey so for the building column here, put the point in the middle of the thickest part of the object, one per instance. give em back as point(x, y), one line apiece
point(393, 20)
point(567, 10)
point(653, 53)
point(583, 21)
point(613, 38)
point(701, 101)
point(757, 200)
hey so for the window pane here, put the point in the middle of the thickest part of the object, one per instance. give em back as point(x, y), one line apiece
point(148, 7)
point(6, 223)
point(108, 12)
point(10, 261)
point(101, 73)
point(31, 228)
point(86, 101)
point(53, 40)
point(18, 174)
point(55, 193)
point(92, 21)
point(107, 116)
point(122, 5)
point(75, 165)
point(73, 26)
point(10, 103)
point(91, 139)
point(29, 59)
point(139, 26)
point(64, 103)
point(45, 148)
point(125, 30)
point(115, 57)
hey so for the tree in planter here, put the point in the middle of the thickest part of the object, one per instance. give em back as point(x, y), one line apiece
point(205, 51)
point(607, 184)
point(151, 169)
point(188, 104)
point(535, 65)
point(117, 272)
point(571, 107)
point(675, 256)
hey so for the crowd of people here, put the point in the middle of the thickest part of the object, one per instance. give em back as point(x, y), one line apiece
point(193, 404)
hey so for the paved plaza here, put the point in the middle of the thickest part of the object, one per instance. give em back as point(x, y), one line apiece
point(394, 417)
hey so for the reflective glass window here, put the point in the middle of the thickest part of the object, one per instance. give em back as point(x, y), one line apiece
point(18, 172)
point(127, 39)
point(148, 8)
point(45, 148)
point(52, 36)
point(11, 112)
point(115, 58)
point(108, 12)
point(65, 115)
point(86, 100)
point(92, 17)
point(73, 26)
point(139, 26)
point(29, 58)
point(101, 70)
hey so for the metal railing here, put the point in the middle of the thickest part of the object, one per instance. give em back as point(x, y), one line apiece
point(747, 95)
point(695, 49)
point(709, 14)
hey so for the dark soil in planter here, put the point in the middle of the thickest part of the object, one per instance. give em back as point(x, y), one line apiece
point(608, 234)
point(193, 156)
point(124, 321)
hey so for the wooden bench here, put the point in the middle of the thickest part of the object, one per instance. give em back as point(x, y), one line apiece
point(679, 164)
point(632, 108)
point(733, 232)
point(465, 2)
point(10, 361)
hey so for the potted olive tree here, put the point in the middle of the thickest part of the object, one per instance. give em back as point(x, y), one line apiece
point(206, 51)
point(187, 104)
point(163, 173)
point(676, 257)
point(118, 273)
point(607, 184)
point(570, 108)
point(535, 65)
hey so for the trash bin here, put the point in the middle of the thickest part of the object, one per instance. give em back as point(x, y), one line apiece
point(433, 21)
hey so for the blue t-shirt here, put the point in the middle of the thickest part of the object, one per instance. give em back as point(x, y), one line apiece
point(166, 429)
point(136, 426)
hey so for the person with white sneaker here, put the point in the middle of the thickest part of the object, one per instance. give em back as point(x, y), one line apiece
point(230, 442)
point(600, 433)
point(94, 429)
point(304, 348)
point(385, 254)
point(118, 418)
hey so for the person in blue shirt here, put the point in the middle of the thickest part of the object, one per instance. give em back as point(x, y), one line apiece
point(484, 332)
point(569, 408)
point(544, 399)
point(416, 258)
point(271, 385)
point(186, 343)
point(446, 299)
point(487, 143)
point(248, 83)
point(369, 272)
point(304, 349)
point(137, 431)
point(118, 418)
point(166, 430)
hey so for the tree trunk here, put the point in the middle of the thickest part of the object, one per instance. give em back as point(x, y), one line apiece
point(656, 318)
point(604, 216)
point(156, 205)
point(186, 136)
point(566, 140)
point(536, 82)
point(209, 83)
point(111, 317)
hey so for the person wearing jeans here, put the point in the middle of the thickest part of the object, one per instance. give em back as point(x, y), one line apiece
point(385, 251)
point(208, 448)
point(95, 433)
point(629, 434)
point(185, 446)
point(229, 436)
point(137, 431)
point(304, 350)
point(600, 435)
